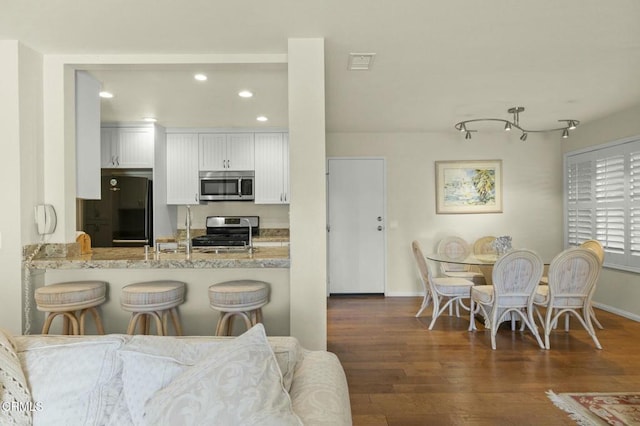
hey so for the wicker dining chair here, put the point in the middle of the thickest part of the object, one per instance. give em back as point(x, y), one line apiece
point(455, 248)
point(443, 291)
point(572, 276)
point(597, 248)
point(484, 245)
point(515, 278)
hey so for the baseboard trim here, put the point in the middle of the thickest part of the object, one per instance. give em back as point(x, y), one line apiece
point(617, 311)
point(403, 294)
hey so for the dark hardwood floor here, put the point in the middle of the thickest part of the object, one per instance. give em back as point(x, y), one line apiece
point(401, 373)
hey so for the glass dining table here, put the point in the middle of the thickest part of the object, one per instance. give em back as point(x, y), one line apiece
point(483, 262)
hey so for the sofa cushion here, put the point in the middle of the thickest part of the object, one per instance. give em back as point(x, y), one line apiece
point(238, 383)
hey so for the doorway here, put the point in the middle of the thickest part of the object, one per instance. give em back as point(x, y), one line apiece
point(356, 232)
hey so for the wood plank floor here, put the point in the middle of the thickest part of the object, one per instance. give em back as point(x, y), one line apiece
point(401, 373)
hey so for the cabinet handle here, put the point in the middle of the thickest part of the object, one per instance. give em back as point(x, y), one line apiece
point(196, 197)
point(117, 160)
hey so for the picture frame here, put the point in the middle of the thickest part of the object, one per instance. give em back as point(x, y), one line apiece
point(467, 187)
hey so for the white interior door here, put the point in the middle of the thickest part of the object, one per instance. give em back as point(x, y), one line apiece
point(356, 230)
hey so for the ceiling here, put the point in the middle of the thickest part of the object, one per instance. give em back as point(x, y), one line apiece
point(437, 61)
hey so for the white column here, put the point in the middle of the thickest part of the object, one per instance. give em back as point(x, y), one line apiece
point(308, 207)
point(21, 171)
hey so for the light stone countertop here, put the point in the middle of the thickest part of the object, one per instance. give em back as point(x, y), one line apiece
point(123, 258)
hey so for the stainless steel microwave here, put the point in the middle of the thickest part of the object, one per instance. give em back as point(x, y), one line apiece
point(227, 186)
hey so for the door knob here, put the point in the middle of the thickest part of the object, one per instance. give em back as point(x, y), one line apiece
point(379, 218)
point(380, 228)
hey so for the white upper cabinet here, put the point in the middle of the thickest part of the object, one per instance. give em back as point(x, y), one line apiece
point(87, 136)
point(182, 169)
point(107, 147)
point(127, 147)
point(226, 151)
point(272, 168)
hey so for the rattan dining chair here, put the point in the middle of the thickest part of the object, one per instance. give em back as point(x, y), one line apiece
point(572, 275)
point(597, 248)
point(515, 278)
point(443, 291)
point(484, 245)
point(455, 248)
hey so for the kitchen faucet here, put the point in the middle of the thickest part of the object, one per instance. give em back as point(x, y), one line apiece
point(187, 225)
point(250, 246)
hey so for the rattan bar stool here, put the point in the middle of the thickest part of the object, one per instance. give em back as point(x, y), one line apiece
point(72, 300)
point(243, 298)
point(155, 300)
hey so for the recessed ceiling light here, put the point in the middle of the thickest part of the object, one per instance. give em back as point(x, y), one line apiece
point(245, 94)
point(150, 119)
point(261, 118)
point(200, 77)
point(106, 95)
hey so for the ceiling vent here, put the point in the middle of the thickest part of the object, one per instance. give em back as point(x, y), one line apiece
point(361, 61)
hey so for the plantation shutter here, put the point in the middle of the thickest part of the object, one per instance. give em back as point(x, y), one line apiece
point(634, 207)
point(602, 201)
point(579, 213)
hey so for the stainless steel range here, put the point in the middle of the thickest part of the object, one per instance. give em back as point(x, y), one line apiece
point(228, 232)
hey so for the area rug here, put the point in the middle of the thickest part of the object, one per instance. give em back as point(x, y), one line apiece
point(619, 409)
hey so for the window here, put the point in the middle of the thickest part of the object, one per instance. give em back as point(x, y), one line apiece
point(602, 201)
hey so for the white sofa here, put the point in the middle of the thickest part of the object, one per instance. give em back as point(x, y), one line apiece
point(138, 380)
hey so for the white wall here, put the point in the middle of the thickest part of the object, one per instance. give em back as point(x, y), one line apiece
point(617, 291)
point(21, 124)
point(10, 229)
point(532, 192)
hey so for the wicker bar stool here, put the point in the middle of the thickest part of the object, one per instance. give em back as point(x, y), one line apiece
point(155, 300)
point(72, 300)
point(244, 298)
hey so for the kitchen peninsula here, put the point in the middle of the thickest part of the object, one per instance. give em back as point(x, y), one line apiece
point(123, 266)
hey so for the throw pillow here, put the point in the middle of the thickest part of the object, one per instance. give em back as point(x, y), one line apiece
point(239, 384)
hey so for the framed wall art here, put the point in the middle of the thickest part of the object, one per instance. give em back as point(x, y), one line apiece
point(469, 186)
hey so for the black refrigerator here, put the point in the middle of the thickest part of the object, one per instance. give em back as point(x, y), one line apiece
point(123, 217)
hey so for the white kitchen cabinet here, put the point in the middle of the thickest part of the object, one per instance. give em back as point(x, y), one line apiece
point(182, 169)
point(226, 151)
point(127, 147)
point(272, 168)
point(87, 136)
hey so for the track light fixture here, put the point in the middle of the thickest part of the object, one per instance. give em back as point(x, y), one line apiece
point(569, 124)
